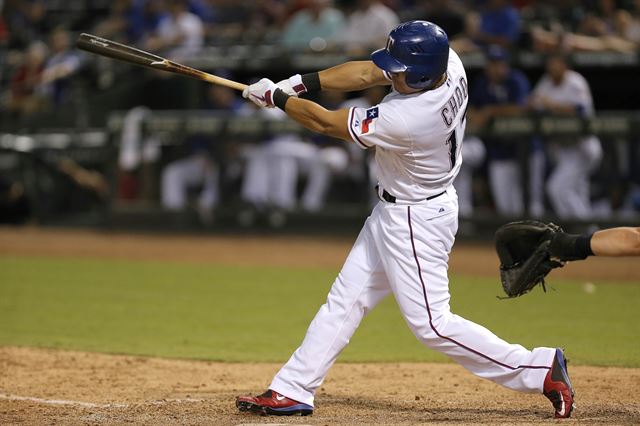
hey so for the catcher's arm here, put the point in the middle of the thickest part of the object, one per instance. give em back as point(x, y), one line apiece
point(622, 241)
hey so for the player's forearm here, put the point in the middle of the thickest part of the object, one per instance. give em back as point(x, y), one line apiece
point(351, 76)
point(318, 119)
point(616, 242)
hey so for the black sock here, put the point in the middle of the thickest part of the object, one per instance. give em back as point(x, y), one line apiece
point(570, 246)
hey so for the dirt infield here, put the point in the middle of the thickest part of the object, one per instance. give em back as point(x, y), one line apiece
point(466, 259)
point(41, 386)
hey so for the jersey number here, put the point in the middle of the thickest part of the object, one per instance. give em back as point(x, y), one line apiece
point(453, 148)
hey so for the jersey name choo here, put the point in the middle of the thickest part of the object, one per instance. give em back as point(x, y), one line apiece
point(454, 104)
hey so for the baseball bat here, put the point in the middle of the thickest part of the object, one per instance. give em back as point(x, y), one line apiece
point(122, 52)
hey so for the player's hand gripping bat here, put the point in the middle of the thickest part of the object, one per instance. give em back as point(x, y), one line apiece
point(111, 49)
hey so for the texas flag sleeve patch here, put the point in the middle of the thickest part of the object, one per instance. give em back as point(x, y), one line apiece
point(369, 123)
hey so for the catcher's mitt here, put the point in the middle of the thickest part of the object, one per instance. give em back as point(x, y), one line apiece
point(523, 249)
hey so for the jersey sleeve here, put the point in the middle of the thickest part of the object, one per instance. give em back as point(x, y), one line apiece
point(583, 99)
point(380, 125)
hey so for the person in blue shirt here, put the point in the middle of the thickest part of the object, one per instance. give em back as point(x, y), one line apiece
point(499, 24)
point(496, 23)
point(501, 91)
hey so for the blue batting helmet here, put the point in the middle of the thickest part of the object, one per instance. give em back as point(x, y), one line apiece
point(418, 48)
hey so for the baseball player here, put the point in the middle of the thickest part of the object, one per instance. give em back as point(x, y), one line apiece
point(404, 245)
point(565, 92)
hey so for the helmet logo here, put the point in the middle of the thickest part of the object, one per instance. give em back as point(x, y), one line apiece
point(390, 43)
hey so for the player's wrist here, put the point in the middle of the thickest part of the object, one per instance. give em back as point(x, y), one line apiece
point(311, 82)
point(571, 247)
point(280, 98)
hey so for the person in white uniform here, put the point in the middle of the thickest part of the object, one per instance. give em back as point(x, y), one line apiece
point(403, 248)
point(564, 92)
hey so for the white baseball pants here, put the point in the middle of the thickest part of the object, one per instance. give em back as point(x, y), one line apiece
point(404, 249)
point(197, 169)
point(568, 186)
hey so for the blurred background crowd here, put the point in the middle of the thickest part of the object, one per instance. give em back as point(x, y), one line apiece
point(83, 134)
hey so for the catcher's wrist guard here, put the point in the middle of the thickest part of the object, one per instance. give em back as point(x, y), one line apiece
point(570, 247)
point(525, 257)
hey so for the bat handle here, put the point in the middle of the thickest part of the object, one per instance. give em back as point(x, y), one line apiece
point(224, 82)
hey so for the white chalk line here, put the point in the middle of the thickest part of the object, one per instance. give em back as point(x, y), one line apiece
point(92, 404)
point(57, 401)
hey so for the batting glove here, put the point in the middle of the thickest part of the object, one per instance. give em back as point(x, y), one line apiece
point(261, 93)
point(293, 86)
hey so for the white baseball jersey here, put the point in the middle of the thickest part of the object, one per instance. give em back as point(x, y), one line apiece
point(403, 249)
point(417, 137)
point(573, 89)
point(575, 158)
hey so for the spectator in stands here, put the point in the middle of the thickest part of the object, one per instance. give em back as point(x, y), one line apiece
point(25, 80)
point(4, 30)
point(27, 22)
point(497, 24)
point(229, 21)
point(203, 9)
point(628, 24)
point(180, 35)
point(119, 24)
point(564, 92)
point(598, 29)
point(62, 64)
point(265, 20)
point(131, 20)
point(368, 26)
point(501, 91)
point(448, 15)
point(199, 168)
point(314, 27)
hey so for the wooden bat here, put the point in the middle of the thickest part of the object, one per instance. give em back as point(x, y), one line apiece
point(122, 52)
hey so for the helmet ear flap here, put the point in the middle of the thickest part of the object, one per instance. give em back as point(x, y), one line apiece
point(423, 82)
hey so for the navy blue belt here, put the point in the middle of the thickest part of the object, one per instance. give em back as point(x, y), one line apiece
point(391, 199)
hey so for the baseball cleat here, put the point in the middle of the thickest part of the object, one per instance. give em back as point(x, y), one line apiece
point(272, 403)
point(557, 387)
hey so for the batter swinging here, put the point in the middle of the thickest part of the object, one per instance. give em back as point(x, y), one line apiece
point(405, 243)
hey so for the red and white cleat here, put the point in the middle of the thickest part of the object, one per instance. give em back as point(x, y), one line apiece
point(272, 403)
point(557, 387)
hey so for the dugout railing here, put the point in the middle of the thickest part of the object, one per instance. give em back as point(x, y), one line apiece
point(34, 156)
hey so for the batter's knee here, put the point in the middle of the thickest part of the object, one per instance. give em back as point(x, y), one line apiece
point(430, 332)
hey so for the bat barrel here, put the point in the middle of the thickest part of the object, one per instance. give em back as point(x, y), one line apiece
point(112, 49)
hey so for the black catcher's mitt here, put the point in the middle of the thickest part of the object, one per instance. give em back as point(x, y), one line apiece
point(523, 249)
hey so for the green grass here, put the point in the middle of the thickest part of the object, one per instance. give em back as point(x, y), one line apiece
point(260, 314)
